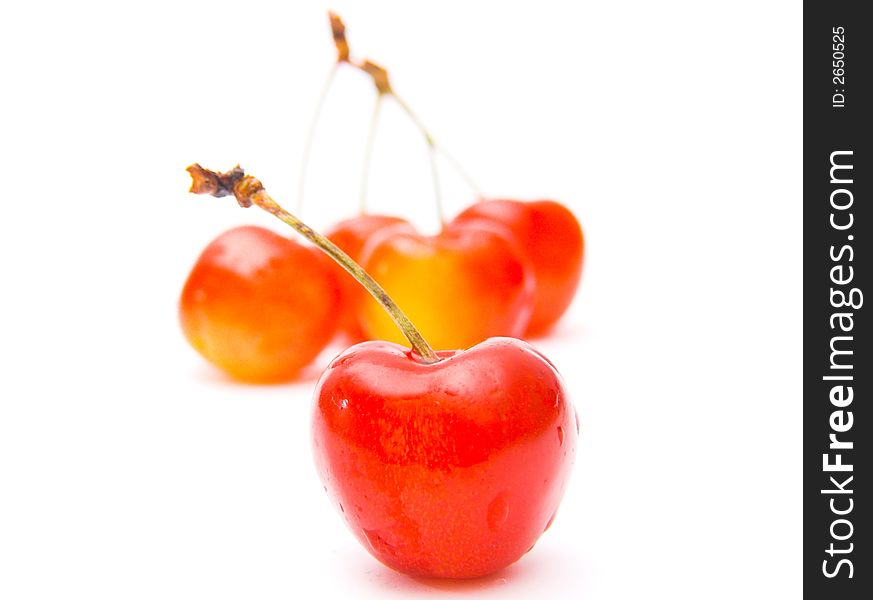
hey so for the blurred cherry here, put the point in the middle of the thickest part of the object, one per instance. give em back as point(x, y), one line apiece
point(553, 240)
point(351, 235)
point(471, 275)
point(259, 306)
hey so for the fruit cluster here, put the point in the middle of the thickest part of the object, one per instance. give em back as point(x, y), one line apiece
point(443, 464)
point(449, 463)
point(261, 307)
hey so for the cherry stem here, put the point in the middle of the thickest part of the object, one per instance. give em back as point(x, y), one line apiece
point(384, 88)
point(437, 190)
point(471, 183)
point(382, 82)
point(368, 153)
point(310, 135)
point(431, 152)
point(247, 190)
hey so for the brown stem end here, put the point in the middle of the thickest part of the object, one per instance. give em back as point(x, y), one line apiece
point(338, 31)
point(379, 74)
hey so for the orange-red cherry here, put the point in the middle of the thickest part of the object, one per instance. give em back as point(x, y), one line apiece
point(460, 287)
point(258, 305)
point(552, 238)
point(351, 235)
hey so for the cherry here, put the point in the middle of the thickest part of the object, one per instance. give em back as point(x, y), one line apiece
point(553, 239)
point(448, 464)
point(259, 306)
point(472, 276)
point(450, 469)
point(351, 235)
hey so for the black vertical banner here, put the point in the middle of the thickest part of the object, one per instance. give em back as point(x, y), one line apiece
point(838, 300)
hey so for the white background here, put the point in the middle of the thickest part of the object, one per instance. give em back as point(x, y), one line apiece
point(130, 469)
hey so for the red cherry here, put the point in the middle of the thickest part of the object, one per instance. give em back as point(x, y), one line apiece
point(460, 287)
point(553, 239)
point(351, 235)
point(450, 469)
point(258, 305)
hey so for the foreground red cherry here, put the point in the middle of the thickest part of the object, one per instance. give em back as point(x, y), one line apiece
point(259, 306)
point(553, 239)
point(351, 235)
point(460, 287)
point(451, 469)
point(448, 464)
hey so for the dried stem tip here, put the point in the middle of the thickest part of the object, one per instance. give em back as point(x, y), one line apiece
point(204, 181)
point(379, 75)
point(338, 30)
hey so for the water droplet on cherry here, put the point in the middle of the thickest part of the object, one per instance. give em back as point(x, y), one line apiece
point(377, 542)
point(551, 520)
point(556, 398)
point(560, 435)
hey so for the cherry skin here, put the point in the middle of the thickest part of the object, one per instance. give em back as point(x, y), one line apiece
point(553, 239)
point(258, 305)
point(451, 469)
point(460, 287)
point(351, 235)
